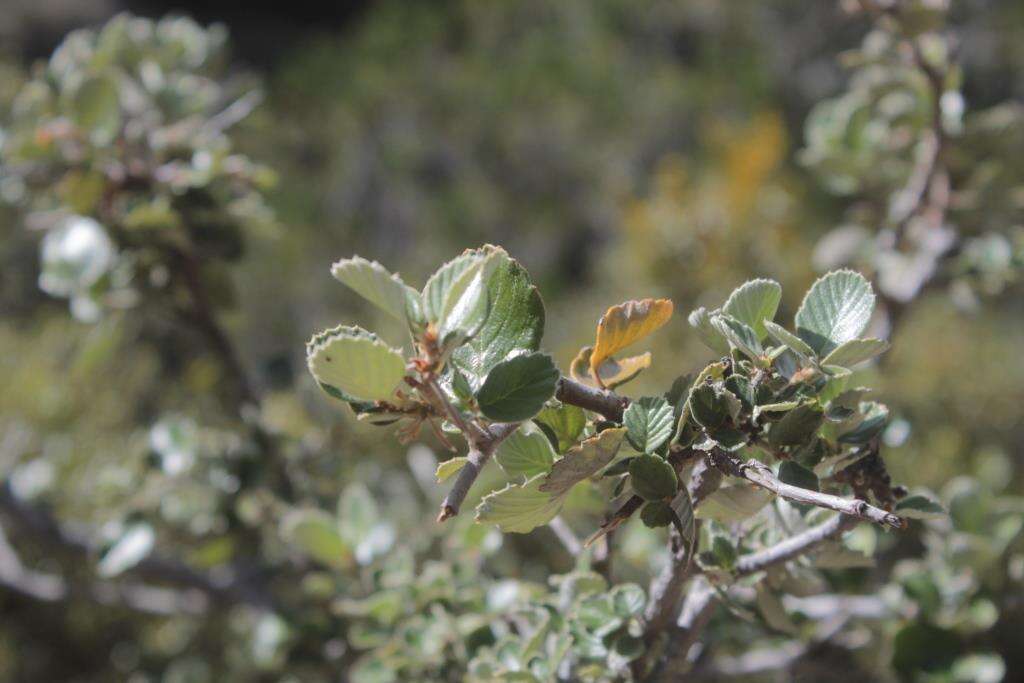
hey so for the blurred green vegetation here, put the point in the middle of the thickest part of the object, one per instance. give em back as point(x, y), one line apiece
point(618, 150)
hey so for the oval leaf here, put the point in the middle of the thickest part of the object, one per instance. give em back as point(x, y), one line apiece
point(652, 478)
point(835, 310)
point(316, 534)
point(516, 389)
point(514, 322)
point(754, 302)
point(855, 351)
point(519, 508)
point(527, 452)
point(649, 422)
point(583, 461)
point(626, 324)
point(373, 282)
point(356, 362)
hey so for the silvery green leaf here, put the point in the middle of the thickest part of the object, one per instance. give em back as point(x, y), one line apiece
point(738, 334)
point(445, 470)
point(526, 452)
point(836, 309)
point(519, 508)
point(439, 285)
point(355, 361)
point(700, 320)
point(855, 351)
point(465, 308)
point(373, 282)
point(875, 417)
point(790, 340)
point(754, 302)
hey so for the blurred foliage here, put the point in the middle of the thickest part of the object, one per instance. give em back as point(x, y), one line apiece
point(619, 150)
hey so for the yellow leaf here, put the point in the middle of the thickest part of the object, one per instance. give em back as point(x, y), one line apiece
point(613, 372)
point(625, 324)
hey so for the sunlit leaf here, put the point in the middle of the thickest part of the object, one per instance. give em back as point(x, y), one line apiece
point(133, 547)
point(855, 351)
point(920, 506)
point(754, 302)
point(835, 310)
point(514, 322)
point(700, 320)
point(519, 508)
point(626, 324)
point(566, 422)
point(790, 340)
point(355, 361)
point(374, 283)
point(448, 468)
point(526, 452)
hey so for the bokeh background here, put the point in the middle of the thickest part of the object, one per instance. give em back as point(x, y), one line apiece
point(618, 150)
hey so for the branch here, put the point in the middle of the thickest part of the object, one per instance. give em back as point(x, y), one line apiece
point(697, 612)
point(607, 403)
point(482, 442)
point(760, 474)
point(566, 536)
point(794, 546)
point(479, 453)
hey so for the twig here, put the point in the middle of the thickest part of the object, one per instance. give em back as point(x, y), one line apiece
point(794, 546)
point(479, 453)
point(760, 474)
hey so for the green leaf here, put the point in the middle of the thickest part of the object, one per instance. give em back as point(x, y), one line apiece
point(920, 506)
point(652, 477)
point(566, 422)
point(516, 389)
point(855, 351)
point(700, 320)
point(875, 417)
point(445, 470)
point(526, 452)
point(796, 426)
point(96, 109)
point(519, 508)
point(373, 282)
point(739, 335)
point(780, 407)
point(649, 422)
point(733, 503)
point(316, 533)
point(790, 340)
point(583, 461)
point(356, 362)
point(724, 552)
point(466, 304)
point(797, 475)
point(754, 302)
point(835, 310)
point(134, 545)
point(712, 407)
point(514, 323)
point(436, 291)
point(656, 514)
